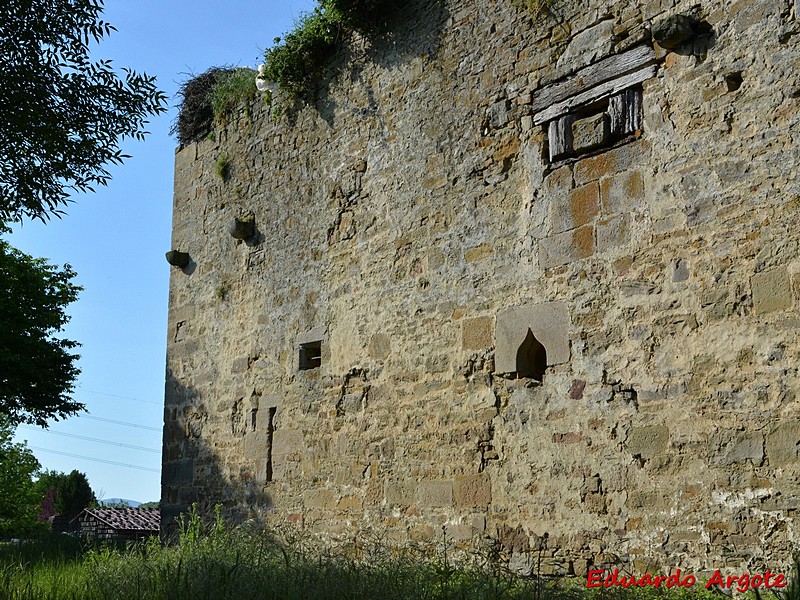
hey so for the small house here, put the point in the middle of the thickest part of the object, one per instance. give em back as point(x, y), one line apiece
point(119, 524)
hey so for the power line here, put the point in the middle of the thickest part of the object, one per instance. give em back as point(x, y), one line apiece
point(91, 439)
point(137, 426)
point(122, 397)
point(100, 460)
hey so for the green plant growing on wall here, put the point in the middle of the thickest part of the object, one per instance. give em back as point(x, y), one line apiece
point(231, 90)
point(297, 59)
point(534, 7)
point(222, 167)
point(295, 63)
point(196, 116)
point(222, 292)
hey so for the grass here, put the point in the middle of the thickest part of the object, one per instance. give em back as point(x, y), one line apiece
point(222, 167)
point(234, 88)
point(216, 562)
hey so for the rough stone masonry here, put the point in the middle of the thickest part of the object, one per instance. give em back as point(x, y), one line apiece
point(525, 280)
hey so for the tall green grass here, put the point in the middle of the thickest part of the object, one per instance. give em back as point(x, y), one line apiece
point(210, 562)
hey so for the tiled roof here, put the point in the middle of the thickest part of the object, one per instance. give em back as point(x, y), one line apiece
point(129, 519)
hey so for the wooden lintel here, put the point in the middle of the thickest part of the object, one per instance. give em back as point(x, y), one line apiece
point(593, 94)
point(592, 76)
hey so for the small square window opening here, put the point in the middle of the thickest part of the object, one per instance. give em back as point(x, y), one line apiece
point(310, 355)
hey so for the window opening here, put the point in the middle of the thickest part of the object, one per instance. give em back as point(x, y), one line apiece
point(531, 358)
point(310, 355)
point(596, 125)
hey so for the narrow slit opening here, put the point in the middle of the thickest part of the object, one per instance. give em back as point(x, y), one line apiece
point(270, 432)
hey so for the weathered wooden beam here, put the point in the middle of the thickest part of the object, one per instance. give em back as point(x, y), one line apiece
point(598, 92)
point(625, 112)
point(559, 137)
point(593, 75)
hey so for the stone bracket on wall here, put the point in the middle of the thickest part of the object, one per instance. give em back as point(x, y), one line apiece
point(549, 323)
point(596, 105)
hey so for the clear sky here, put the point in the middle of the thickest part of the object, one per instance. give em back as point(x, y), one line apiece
point(116, 239)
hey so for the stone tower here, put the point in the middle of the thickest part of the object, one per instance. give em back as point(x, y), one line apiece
point(531, 279)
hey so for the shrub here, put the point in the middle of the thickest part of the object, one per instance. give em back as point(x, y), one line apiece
point(368, 17)
point(208, 98)
point(296, 61)
point(196, 115)
point(232, 89)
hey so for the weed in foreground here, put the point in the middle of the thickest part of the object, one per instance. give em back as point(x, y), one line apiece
point(212, 561)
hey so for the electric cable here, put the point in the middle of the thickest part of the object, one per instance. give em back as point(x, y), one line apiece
point(119, 422)
point(100, 460)
point(91, 439)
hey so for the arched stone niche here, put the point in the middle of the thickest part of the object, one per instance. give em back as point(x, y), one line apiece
point(530, 338)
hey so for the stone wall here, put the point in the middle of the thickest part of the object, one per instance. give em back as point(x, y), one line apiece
point(527, 280)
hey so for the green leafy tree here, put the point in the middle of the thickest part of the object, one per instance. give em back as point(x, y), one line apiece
point(46, 487)
point(62, 116)
point(74, 494)
point(19, 499)
point(37, 370)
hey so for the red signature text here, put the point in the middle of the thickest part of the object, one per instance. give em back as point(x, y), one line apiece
point(741, 583)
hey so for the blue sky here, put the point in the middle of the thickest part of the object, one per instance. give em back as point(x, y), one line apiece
point(116, 239)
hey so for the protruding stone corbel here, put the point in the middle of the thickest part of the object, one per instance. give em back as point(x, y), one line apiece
point(243, 228)
point(675, 31)
point(178, 259)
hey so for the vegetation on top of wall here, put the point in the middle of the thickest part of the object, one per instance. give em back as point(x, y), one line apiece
point(297, 59)
point(209, 97)
point(195, 115)
point(231, 90)
point(294, 63)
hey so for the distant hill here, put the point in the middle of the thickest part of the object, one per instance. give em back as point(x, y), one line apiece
point(118, 502)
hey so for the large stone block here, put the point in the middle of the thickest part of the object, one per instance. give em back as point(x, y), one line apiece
point(435, 494)
point(350, 504)
point(566, 247)
point(610, 162)
point(400, 493)
point(255, 443)
point(622, 193)
point(772, 291)
point(287, 441)
point(648, 441)
point(472, 491)
point(380, 346)
point(783, 444)
point(478, 253)
point(477, 333)
point(612, 233)
point(595, 167)
point(727, 448)
point(550, 324)
point(577, 207)
point(590, 132)
point(320, 499)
